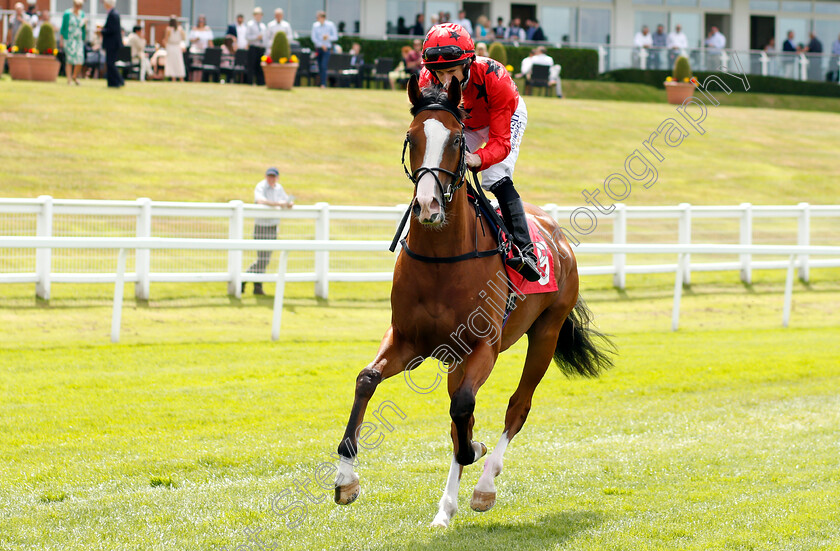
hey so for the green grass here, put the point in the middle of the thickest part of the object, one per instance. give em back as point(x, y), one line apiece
point(719, 436)
point(190, 141)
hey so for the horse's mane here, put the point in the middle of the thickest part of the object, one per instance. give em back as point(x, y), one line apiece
point(436, 95)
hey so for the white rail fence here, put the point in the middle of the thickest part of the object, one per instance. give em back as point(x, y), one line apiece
point(47, 217)
point(286, 246)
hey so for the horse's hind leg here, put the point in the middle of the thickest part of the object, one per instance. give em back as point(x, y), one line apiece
point(542, 341)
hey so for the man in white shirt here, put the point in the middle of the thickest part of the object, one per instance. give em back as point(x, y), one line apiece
point(716, 41)
point(642, 42)
point(540, 57)
point(270, 193)
point(255, 35)
point(241, 29)
point(277, 25)
point(464, 22)
point(677, 42)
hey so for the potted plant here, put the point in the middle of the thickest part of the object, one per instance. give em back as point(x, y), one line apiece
point(280, 67)
point(2, 58)
point(44, 66)
point(679, 87)
point(497, 51)
point(23, 47)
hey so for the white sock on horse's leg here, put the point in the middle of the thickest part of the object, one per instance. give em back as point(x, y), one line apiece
point(493, 466)
point(448, 505)
point(345, 473)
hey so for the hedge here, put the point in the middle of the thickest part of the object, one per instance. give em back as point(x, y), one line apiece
point(758, 84)
point(581, 64)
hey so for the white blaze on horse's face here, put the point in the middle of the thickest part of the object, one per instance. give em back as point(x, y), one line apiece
point(428, 193)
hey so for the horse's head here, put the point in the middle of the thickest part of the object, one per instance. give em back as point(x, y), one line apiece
point(437, 152)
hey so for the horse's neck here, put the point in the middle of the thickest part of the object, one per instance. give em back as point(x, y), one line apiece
point(455, 238)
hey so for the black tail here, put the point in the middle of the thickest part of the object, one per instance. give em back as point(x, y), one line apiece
point(581, 349)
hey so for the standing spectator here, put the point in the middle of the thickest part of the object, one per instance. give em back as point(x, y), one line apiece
point(255, 34)
point(814, 67)
point(174, 39)
point(418, 29)
point(515, 31)
point(271, 194)
point(500, 31)
point(642, 43)
point(238, 30)
point(660, 41)
point(413, 58)
point(200, 36)
point(716, 41)
point(482, 27)
point(32, 11)
point(534, 32)
point(789, 45)
point(278, 24)
point(401, 28)
point(771, 45)
point(111, 43)
point(73, 27)
point(137, 41)
point(40, 21)
point(323, 35)
point(789, 61)
point(15, 21)
point(676, 43)
point(834, 73)
point(464, 22)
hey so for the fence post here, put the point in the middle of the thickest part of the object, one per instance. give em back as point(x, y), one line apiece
point(685, 239)
point(804, 239)
point(235, 231)
point(142, 257)
point(746, 239)
point(620, 238)
point(602, 59)
point(279, 292)
point(678, 287)
point(322, 258)
point(43, 257)
point(116, 316)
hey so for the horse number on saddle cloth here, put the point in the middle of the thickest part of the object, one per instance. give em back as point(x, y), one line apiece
point(547, 282)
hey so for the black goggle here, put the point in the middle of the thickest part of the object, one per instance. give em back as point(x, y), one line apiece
point(444, 53)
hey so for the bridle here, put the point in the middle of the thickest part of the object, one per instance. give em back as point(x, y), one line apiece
point(458, 178)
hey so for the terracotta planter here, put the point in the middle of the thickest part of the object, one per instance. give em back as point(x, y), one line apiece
point(280, 76)
point(44, 68)
point(19, 67)
point(678, 92)
point(2, 62)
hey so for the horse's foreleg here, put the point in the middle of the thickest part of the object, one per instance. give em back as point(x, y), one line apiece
point(392, 357)
point(542, 341)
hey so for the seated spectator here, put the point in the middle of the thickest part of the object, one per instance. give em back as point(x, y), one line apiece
point(229, 45)
point(413, 58)
point(540, 57)
point(158, 62)
point(200, 36)
point(400, 74)
point(481, 49)
point(137, 41)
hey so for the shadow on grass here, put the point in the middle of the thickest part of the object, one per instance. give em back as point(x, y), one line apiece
point(543, 533)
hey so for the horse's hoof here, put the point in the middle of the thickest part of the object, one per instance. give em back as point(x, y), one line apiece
point(483, 451)
point(482, 501)
point(345, 495)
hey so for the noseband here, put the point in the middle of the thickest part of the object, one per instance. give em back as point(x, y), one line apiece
point(457, 177)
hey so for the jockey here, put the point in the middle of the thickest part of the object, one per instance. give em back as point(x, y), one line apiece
point(496, 117)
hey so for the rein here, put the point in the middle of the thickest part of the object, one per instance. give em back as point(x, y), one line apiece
point(458, 180)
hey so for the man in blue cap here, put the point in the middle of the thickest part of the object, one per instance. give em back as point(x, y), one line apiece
point(271, 194)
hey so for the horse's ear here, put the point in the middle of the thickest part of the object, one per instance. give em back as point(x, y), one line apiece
point(454, 91)
point(413, 90)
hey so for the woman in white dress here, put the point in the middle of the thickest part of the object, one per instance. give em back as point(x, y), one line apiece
point(174, 39)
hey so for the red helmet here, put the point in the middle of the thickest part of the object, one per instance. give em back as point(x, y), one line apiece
point(447, 45)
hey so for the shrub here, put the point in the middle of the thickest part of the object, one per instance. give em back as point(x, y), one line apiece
point(497, 52)
point(46, 39)
point(682, 69)
point(280, 47)
point(758, 84)
point(25, 40)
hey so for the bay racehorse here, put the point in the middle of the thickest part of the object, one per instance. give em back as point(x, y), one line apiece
point(445, 304)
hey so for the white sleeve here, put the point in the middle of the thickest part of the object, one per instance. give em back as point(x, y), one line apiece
point(259, 192)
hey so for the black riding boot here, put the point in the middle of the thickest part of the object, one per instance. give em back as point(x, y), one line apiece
point(524, 259)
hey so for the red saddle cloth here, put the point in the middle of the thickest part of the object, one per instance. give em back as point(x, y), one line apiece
point(547, 282)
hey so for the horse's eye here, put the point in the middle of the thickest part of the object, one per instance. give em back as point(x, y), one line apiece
point(457, 141)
